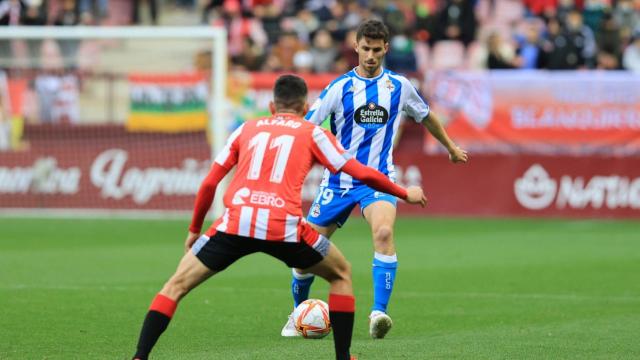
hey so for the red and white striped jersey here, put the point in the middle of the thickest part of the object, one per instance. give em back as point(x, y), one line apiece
point(273, 156)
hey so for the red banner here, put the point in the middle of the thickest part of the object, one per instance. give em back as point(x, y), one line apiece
point(539, 112)
point(105, 167)
point(527, 185)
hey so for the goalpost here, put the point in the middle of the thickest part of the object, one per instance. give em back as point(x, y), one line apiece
point(44, 169)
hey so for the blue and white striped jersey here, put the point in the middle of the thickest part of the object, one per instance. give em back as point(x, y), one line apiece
point(365, 115)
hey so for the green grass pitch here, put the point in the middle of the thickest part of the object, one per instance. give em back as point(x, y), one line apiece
point(466, 289)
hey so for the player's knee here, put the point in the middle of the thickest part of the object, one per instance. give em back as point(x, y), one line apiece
point(344, 271)
point(383, 234)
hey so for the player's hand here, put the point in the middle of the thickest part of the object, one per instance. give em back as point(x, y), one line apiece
point(415, 195)
point(457, 155)
point(191, 238)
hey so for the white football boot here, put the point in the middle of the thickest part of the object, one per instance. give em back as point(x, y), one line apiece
point(379, 324)
point(289, 329)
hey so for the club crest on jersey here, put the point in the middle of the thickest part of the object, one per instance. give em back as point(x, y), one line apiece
point(389, 85)
point(315, 210)
point(371, 116)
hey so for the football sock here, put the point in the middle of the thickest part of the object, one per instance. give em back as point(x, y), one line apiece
point(156, 321)
point(341, 309)
point(300, 286)
point(384, 274)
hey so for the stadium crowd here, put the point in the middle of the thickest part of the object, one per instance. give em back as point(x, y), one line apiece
point(317, 35)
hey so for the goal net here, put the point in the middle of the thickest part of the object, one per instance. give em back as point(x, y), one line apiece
point(107, 120)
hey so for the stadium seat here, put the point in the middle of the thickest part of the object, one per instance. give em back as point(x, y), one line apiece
point(51, 56)
point(476, 57)
point(422, 52)
point(508, 11)
point(448, 54)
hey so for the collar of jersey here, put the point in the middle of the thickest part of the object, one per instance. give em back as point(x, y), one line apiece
point(355, 73)
point(287, 115)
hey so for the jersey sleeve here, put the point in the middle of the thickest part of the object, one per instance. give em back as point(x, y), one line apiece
point(373, 178)
point(327, 102)
point(415, 106)
point(228, 157)
point(204, 197)
point(327, 150)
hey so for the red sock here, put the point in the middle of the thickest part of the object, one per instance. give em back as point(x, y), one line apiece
point(163, 305)
point(342, 303)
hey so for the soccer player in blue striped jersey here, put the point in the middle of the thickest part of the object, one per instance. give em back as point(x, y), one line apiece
point(364, 107)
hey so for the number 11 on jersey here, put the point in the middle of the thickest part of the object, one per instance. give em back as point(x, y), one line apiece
point(259, 145)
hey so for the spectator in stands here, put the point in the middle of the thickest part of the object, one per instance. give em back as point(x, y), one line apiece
point(240, 27)
point(529, 48)
point(68, 15)
point(211, 6)
point(34, 13)
point(561, 52)
point(271, 16)
point(563, 9)
point(348, 56)
point(303, 62)
point(281, 57)
point(456, 21)
point(609, 41)
point(10, 11)
point(540, 7)
point(251, 57)
point(582, 36)
point(401, 57)
point(5, 122)
point(394, 18)
point(304, 24)
point(153, 11)
point(631, 56)
point(354, 15)
point(338, 26)
point(500, 54)
point(594, 12)
point(93, 9)
point(323, 52)
point(627, 17)
point(423, 24)
point(321, 9)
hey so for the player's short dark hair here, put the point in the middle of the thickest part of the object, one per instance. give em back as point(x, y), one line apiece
point(290, 92)
point(373, 29)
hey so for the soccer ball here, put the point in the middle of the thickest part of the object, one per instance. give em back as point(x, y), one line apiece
point(311, 318)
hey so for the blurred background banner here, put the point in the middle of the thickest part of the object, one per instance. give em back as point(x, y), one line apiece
point(103, 167)
point(561, 144)
point(168, 102)
point(589, 186)
point(538, 112)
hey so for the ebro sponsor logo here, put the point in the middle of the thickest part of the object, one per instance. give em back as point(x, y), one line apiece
point(261, 198)
point(536, 190)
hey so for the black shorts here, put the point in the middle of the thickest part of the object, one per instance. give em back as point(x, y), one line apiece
point(222, 250)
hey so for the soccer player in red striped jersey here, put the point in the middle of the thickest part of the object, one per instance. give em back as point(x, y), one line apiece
point(263, 212)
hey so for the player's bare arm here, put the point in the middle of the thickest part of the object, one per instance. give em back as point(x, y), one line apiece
point(433, 124)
